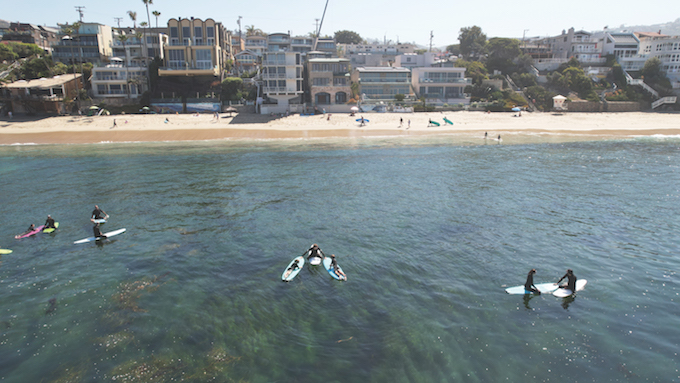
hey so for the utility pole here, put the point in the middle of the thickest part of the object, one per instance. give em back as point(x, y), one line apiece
point(431, 37)
point(80, 8)
point(523, 36)
point(118, 20)
point(316, 27)
point(240, 44)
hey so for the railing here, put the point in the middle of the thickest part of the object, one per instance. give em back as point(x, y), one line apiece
point(664, 100)
point(279, 89)
point(466, 81)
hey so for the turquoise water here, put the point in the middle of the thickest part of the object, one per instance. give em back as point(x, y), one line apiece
point(429, 231)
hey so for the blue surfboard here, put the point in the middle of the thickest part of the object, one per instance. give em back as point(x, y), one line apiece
point(289, 273)
point(331, 271)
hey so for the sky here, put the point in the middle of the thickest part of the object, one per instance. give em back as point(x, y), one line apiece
point(396, 20)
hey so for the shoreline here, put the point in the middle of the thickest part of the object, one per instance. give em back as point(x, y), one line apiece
point(153, 128)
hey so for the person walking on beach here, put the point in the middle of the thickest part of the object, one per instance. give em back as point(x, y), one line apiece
point(486, 135)
point(114, 123)
point(401, 122)
point(529, 284)
point(409, 124)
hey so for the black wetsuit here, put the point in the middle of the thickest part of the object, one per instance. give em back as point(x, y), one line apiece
point(49, 224)
point(571, 281)
point(315, 252)
point(98, 214)
point(529, 285)
point(97, 232)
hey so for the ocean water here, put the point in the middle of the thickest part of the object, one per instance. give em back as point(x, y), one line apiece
point(429, 231)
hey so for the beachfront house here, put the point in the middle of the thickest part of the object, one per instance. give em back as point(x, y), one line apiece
point(666, 49)
point(440, 85)
point(377, 84)
point(42, 36)
point(196, 48)
point(116, 82)
point(282, 82)
point(329, 84)
point(91, 43)
point(44, 95)
point(256, 44)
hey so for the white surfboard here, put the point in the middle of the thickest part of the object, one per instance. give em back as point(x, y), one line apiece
point(315, 261)
point(108, 235)
point(289, 273)
point(563, 293)
point(542, 287)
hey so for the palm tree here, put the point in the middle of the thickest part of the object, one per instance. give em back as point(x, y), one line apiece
point(123, 38)
point(252, 31)
point(145, 50)
point(133, 17)
point(148, 18)
point(69, 31)
point(156, 13)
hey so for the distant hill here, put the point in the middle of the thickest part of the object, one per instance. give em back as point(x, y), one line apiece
point(670, 28)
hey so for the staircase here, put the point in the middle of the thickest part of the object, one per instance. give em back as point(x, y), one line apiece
point(530, 105)
point(664, 100)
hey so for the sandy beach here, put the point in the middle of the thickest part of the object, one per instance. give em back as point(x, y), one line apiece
point(186, 127)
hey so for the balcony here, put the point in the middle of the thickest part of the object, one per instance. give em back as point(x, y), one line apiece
point(466, 81)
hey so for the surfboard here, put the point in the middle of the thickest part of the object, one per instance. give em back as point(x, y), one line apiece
point(99, 220)
point(365, 120)
point(315, 261)
point(5, 251)
point(289, 274)
point(52, 229)
point(542, 287)
point(448, 121)
point(563, 293)
point(30, 233)
point(108, 235)
point(327, 266)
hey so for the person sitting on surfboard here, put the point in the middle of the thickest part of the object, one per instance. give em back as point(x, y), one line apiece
point(336, 268)
point(571, 281)
point(315, 251)
point(98, 213)
point(49, 223)
point(97, 232)
point(529, 285)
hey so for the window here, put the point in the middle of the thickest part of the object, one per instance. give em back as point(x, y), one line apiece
point(204, 59)
point(186, 32)
point(320, 82)
point(198, 35)
point(174, 32)
point(209, 31)
point(176, 59)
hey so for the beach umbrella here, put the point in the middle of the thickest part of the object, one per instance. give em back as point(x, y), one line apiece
point(354, 109)
point(516, 109)
point(231, 110)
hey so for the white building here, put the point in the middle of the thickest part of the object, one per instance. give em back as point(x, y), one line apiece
point(118, 82)
point(282, 82)
point(440, 85)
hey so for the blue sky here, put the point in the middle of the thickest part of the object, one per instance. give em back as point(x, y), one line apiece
point(396, 20)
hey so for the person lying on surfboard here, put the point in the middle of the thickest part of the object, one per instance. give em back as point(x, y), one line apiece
point(336, 268)
point(49, 223)
point(571, 281)
point(98, 213)
point(97, 232)
point(529, 285)
point(315, 251)
point(30, 229)
point(294, 266)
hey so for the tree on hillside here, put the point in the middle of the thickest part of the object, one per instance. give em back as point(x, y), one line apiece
point(502, 54)
point(348, 37)
point(654, 75)
point(231, 88)
point(7, 53)
point(472, 41)
point(473, 69)
point(454, 49)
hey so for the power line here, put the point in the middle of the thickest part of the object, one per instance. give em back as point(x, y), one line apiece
point(80, 8)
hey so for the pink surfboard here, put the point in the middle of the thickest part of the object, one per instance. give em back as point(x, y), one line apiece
point(30, 233)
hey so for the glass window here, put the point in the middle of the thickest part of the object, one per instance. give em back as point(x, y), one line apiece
point(210, 31)
point(174, 32)
point(198, 31)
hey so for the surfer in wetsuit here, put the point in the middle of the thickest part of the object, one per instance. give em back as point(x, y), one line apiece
point(98, 213)
point(30, 229)
point(315, 251)
point(49, 223)
point(529, 285)
point(336, 268)
point(97, 232)
point(571, 281)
